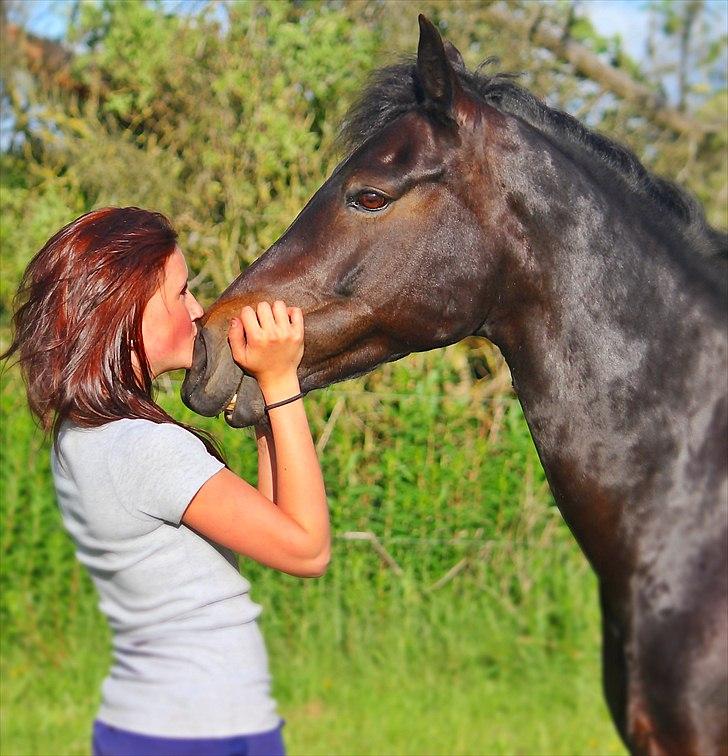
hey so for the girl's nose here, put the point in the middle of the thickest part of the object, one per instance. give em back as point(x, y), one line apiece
point(196, 310)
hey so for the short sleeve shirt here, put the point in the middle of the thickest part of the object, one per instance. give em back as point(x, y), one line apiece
point(189, 660)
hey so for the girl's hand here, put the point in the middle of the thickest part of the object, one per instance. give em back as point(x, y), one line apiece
point(267, 342)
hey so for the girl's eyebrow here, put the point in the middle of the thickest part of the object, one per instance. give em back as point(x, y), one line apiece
point(185, 285)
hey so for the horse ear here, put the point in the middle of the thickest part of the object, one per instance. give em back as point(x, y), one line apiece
point(437, 65)
point(453, 55)
point(434, 69)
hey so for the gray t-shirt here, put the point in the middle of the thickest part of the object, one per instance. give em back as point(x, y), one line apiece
point(189, 659)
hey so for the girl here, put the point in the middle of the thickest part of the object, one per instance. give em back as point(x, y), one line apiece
point(155, 514)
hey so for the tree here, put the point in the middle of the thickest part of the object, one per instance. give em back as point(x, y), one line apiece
point(225, 116)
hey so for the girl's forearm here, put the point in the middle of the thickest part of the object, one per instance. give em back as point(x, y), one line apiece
point(266, 461)
point(296, 474)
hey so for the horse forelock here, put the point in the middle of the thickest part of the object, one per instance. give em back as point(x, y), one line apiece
point(394, 90)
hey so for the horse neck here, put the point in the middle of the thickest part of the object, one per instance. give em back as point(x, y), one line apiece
point(612, 362)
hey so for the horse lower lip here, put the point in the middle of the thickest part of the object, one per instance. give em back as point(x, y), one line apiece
point(232, 403)
point(248, 406)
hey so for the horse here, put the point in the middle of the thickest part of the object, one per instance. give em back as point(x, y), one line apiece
point(466, 207)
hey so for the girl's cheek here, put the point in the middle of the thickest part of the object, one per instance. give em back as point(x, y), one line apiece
point(184, 330)
point(162, 342)
point(189, 328)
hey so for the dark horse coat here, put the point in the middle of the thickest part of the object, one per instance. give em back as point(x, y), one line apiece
point(466, 206)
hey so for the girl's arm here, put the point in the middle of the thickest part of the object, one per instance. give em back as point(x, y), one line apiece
point(291, 532)
point(266, 461)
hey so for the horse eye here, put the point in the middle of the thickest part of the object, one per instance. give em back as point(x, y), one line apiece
point(370, 200)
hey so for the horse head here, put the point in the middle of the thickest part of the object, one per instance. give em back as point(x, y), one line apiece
point(390, 255)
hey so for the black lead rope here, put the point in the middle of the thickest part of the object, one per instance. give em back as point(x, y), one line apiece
point(269, 407)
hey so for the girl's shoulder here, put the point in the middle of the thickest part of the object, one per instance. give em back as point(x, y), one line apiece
point(152, 469)
point(126, 439)
point(135, 427)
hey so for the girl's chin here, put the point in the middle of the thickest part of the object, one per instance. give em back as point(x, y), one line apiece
point(170, 368)
point(181, 361)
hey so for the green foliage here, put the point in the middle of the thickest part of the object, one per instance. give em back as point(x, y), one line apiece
point(502, 656)
point(33, 207)
point(241, 117)
point(688, 44)
point(225, 119)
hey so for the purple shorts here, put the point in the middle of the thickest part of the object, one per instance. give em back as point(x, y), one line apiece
point(111, 741)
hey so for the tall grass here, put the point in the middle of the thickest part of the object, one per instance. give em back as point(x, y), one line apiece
point(499, 655)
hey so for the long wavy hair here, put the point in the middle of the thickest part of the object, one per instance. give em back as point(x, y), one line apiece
point(78, 318)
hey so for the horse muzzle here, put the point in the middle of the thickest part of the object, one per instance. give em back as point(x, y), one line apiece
point(213, 378)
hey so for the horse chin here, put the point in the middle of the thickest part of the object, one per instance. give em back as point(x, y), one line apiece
point(247, 406)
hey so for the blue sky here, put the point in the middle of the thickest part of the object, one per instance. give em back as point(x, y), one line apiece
point(628, 18)
point(623, 17)
point(47, 18)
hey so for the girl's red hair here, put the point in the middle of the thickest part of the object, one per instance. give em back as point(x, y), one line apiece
point(79, 316)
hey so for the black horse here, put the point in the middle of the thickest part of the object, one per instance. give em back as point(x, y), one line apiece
point(467, 207)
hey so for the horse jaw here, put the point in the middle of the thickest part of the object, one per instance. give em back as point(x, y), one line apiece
point(249, 405)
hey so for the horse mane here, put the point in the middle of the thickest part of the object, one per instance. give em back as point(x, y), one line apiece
point(395, 90)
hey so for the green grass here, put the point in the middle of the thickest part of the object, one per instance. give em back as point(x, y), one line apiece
point(502, 658)
point(446, 676)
